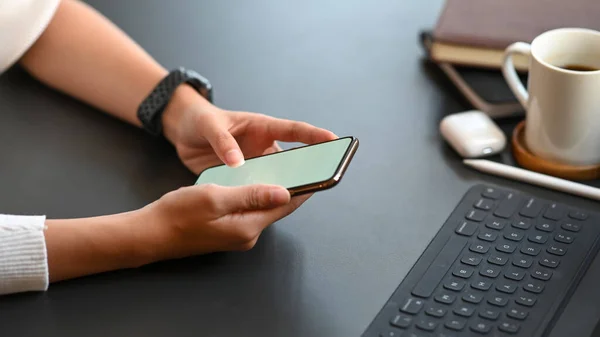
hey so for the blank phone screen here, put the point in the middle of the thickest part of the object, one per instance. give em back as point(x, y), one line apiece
point(292, 168)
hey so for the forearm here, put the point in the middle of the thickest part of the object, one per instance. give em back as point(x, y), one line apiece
point(79, 247)
point(84, 55)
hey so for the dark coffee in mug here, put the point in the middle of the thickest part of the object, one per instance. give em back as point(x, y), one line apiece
point(579, 67)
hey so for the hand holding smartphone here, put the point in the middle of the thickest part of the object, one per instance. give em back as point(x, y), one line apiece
point(306, 169)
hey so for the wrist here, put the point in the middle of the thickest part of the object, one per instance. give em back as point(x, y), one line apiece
point(153, 238)
point(79, 247)
point(184, 100)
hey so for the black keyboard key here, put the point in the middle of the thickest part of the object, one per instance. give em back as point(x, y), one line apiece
point(541, 274)
point(466, 228)
point(522, 224)
point(506, 287)
point(491, 314)
point(508, 327)
point(549, 261)
point(554, 211)
point(479, 247)
point(546, 226)
point(495, 224)
point(498, 300)
point(496, 259)
point(516, 274)
point(463, 310)
point(490, 271)
point(508, 206)
point(564, 238)
point(578, 215)
point(506, 247)
point(455, 324)
point(481, 327)
point(401, 321)
point(522, 261)
point(533, 287)
point(472, 297)
point(471, 260)
point(445, 298)
point(538, 237)
point(556, 249)
point(532, 208)
point(530, 249)
point(454, 284)
point(426, 324)
point(475, 215)
point(440, 266)
point(412, 306)
point(435, 311)
point(487, 236)
point(484, 204)
point(481, 284)
point(571, 226)
point(463, 272)
point(492, 193)
point(517, 313)
point(526, 300)
point(513, 235)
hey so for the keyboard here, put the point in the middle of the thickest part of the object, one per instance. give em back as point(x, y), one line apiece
point(503, 264)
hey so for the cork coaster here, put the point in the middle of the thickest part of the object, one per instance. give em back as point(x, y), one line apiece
point(530, 161)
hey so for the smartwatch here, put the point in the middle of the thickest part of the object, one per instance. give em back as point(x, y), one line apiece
point(153, 106)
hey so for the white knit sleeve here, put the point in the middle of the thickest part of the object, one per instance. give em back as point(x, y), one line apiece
point(23, 258)
point(21, 23)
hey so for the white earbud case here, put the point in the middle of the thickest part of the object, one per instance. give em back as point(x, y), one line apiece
point(472, 134)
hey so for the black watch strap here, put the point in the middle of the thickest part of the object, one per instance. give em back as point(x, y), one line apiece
point(151, 109)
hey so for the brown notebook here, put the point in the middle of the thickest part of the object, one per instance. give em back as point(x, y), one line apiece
point(476, 32)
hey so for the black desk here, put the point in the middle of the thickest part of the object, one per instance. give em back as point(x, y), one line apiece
point(324, 271)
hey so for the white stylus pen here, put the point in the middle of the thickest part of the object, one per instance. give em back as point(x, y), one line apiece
point(534, 178)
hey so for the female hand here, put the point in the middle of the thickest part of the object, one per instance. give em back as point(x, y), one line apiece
point(205, 135)
point(209, 218)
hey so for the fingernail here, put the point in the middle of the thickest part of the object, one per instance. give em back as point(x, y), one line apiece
point(234, 158)
point(279, 196)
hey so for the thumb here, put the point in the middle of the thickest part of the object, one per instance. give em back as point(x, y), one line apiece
point(252, 197)
point(223, 143)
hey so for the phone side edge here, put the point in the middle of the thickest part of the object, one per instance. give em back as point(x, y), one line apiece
point(346, 161)
point(335, 179)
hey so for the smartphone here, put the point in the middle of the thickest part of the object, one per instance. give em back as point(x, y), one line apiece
point(301, 170)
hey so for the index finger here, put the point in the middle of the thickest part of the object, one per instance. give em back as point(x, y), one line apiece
point(295, 131)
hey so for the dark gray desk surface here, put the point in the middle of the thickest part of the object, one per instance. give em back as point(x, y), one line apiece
point(324, 271)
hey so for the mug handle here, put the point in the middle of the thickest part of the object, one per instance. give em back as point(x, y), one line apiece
point(510, 74)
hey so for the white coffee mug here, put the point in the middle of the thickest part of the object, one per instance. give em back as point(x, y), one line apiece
point(562, 105)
